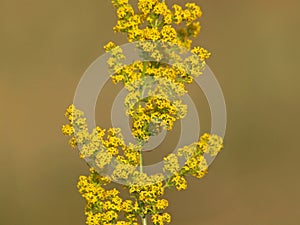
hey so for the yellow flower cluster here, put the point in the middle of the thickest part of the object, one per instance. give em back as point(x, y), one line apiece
point(158, 219)
point(115, 61)
point(155, 88)
point(171, 164)
point(179, 182)
point(195, 162)
point(156, 21)
point(148, 192)
point(201, 52)
point(150, 92)
point(210, 144)
point(77, 123)
point(100, 145)
point(156, 114)
point(103, 205)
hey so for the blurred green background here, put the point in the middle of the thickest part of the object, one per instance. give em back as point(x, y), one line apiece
point(45, 46)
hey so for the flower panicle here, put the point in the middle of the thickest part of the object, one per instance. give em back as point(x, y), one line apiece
point(154, 103)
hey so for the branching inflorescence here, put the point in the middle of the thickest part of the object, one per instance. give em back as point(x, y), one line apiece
point(155, 87)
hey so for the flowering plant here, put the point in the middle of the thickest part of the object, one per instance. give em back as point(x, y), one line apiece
point(153, 103)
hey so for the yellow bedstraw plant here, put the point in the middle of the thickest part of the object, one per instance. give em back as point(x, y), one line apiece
point(153, 103)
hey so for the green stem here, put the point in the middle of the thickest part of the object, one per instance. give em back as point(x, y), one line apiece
point(144, 220)
point(143, 217)
point(143, 76)
point(141, 97)
point(141, 161)
point(140, 142)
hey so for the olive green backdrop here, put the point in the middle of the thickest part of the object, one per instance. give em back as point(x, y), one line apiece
point(45, 46)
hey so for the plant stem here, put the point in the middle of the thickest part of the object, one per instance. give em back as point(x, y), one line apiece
point(144, 220)
point(141, 161)
point(141, 143)
point(143, 217)
point(141, 97)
